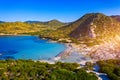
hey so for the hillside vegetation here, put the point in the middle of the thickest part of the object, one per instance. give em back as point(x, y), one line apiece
point(30, 70)
point(54, 24)
point(111, 68)
point(28, 27)
point(94, 27)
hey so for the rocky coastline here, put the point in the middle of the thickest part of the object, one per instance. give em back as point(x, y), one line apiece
point(105, 51)
point(73, 53)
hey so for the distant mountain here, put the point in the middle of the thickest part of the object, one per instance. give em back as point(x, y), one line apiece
point(2, 22)
point(55, 22)
point(29, 27)
point(52, 23)
point(33, 22)
point(117, 17)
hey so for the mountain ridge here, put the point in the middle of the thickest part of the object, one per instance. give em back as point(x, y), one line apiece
point(30, 27)
point(91, 25)
point(95, 34)
point(2, 22)
point(96, 24)
point(116, 17)
point(53, 20)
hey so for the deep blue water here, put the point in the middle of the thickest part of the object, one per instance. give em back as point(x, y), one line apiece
point(104, 77)
point(28, 47)
point(97, 68)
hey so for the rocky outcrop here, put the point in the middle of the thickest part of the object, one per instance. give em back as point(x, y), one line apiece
point(102, 28)
point(95, 25)
point(85, 29)
point(108, 50)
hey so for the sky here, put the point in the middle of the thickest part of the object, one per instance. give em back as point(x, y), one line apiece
point(63, 10)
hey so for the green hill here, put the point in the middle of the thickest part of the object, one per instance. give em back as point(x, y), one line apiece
point(90, 26)
point(29, 27)
point(96, 25)
point(52, 23)
point(17, 28)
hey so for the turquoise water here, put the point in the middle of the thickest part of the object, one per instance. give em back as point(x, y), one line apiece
point(28, 47)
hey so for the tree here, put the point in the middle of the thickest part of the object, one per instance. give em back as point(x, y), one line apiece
point(117, 71)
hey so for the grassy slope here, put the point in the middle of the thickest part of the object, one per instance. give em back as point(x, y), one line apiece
point(25, 27)
point(104, 27)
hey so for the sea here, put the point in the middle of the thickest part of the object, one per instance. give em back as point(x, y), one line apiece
point(28, 47)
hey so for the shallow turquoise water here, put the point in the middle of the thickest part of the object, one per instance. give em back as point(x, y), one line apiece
point(28, 47)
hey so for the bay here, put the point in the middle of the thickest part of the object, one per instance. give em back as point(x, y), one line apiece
point(28, 47)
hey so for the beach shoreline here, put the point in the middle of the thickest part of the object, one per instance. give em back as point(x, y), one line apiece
point(69, 50)
point(14, 34)
point(72, 54)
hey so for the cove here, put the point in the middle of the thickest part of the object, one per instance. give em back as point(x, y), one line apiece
point(28, 47)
